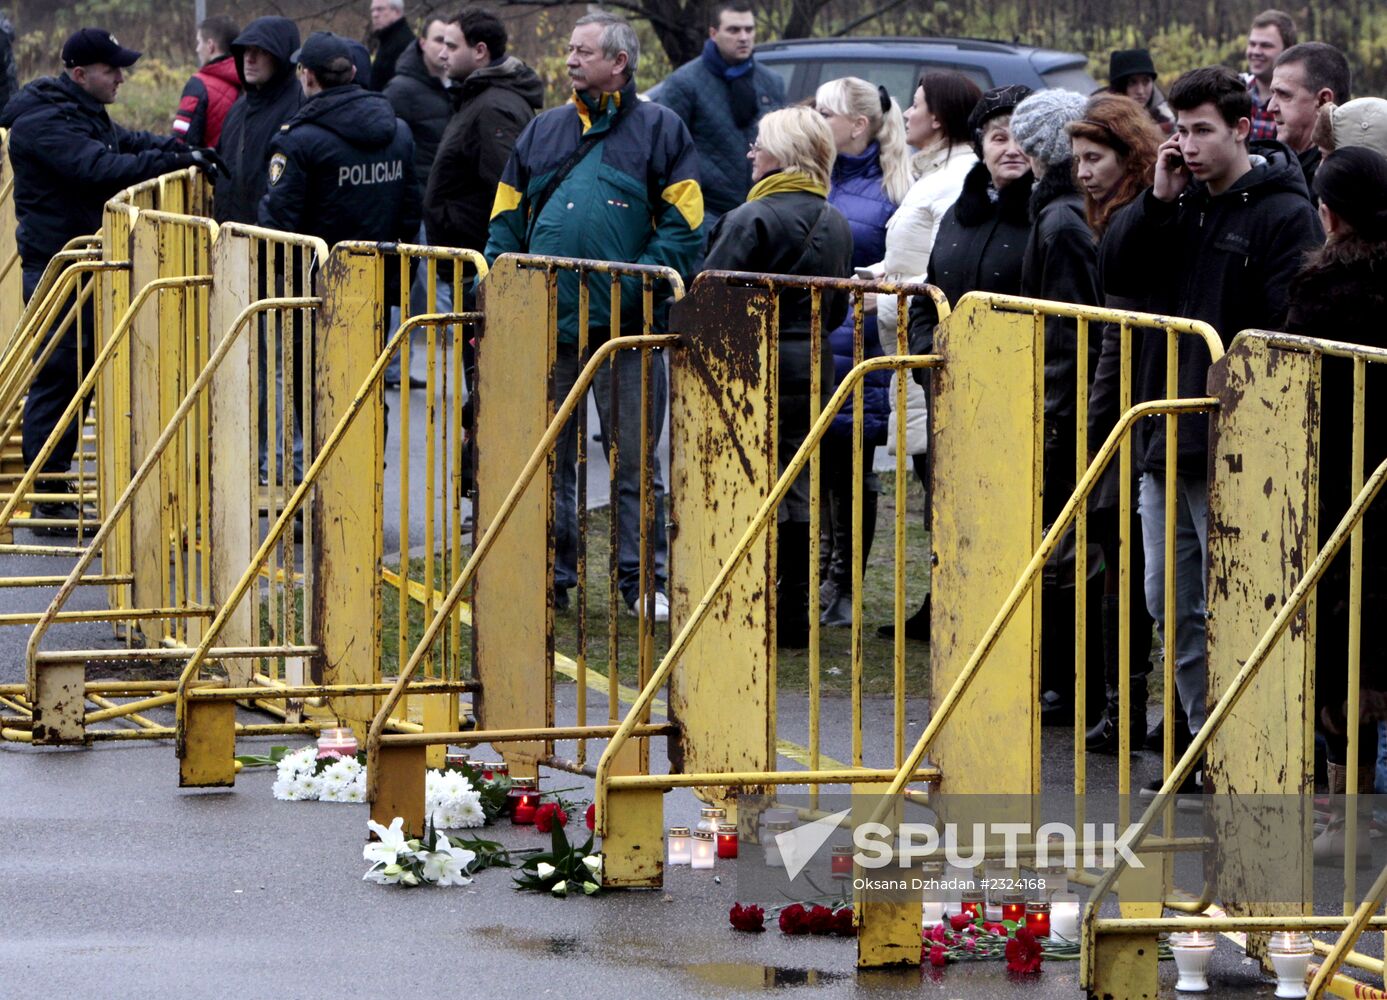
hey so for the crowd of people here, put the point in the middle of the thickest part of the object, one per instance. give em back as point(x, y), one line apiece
point(1246, 201)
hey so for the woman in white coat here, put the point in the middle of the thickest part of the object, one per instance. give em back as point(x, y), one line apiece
point(936, 123)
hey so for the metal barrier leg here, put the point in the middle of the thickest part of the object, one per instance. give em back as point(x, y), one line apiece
point(888, 921)
point(59, 705)
point(401, 771)
point(210, 758)
point(633, 849)
point(1125, 965)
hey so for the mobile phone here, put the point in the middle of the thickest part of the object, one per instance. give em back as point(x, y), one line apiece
point(1176, 162)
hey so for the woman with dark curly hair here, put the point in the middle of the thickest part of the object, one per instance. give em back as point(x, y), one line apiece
point(1114, 162)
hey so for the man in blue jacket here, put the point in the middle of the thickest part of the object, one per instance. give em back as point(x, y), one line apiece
point(610, 177)
point(69, 160)
point(722, 96)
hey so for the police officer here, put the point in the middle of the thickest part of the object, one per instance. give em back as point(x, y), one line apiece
point(69, 158)
point(343, 167)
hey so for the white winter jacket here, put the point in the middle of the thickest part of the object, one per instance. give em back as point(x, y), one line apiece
point(909, 239)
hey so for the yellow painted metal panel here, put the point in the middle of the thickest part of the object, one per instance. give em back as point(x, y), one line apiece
point(349, 500)
point(232, 395)
point(985, 424)
point(59, 705)
point(513, 644)
point(722, 464)
point(1121, 967)
point(209, 757)
point(888, 921)
point(633, 847)
point(1262, 536)
point(11, 281)
point(400, 789)
point(148, 416)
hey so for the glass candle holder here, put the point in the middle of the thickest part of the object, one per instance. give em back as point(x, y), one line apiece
point(336, 742)
point(1192, 952)
point(1064, 915)
point(727, 841)
point(456, 758)
point(774, 859)
point(710, 818)
point(1290, 953)
point(491, 772)
point(524, 801)
point(1038, 918)
point(935, 896)
point(703, 849)
point(840, 862)
point(973, 902)
point(1056, 879)
point(1014, 907)
point(679, 847)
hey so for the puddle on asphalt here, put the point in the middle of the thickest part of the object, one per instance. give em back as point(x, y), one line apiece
point(726, 975)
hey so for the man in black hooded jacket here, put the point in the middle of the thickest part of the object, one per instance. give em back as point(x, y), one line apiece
point(1217, 238)
point(271, 96)
point(69, 158)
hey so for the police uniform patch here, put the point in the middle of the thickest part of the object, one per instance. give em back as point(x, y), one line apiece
point(277, 165)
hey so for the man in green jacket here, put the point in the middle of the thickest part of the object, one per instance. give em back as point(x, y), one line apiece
point(609, 177)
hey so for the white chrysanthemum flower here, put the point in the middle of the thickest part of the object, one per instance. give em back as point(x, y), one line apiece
point(286, 790)
point(300, 762)
point(469, 813)
point(341, 771)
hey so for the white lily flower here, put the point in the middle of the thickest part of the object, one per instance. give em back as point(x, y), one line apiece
point(590, 887)
point(593, 863)
point(544, 869)
point(391, 843)
point(448, 864)
point(560, 889)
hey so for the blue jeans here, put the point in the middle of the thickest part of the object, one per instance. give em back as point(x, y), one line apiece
point(418, 301)
point(1191, 558)
point(628, 472)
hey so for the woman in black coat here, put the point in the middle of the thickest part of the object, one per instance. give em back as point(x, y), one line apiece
point(982, 238)
point(787, 226)
point(1341, 294)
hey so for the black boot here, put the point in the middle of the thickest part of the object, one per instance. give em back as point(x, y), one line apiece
point(916, 626)
point(839, 610)
point(1103, 737)
point(792, 588)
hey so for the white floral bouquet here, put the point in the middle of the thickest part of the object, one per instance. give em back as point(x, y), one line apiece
point(450, 801)
point(399, 860)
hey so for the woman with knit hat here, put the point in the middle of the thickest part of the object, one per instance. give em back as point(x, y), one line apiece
point(982, 237)
point(1341, 294)
point(1061, 265)
point(1131, 73)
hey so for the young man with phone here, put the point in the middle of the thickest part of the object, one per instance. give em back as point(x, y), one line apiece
point(1217, 237)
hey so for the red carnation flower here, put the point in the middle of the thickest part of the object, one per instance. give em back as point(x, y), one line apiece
point(997, 929)
point(794, 919)
point(959, 921)
point(842, 923)
point(549, 814)
point(747, 918)
point(1023, 952)
point(938, 956)
point(820, 920)
point(591, 816)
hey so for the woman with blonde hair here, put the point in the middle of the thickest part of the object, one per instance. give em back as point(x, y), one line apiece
point(870, 178)
point(787, 226)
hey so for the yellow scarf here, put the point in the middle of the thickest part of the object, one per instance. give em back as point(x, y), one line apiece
point(784, 180)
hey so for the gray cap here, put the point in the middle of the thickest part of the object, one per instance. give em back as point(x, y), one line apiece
point(1360, 122)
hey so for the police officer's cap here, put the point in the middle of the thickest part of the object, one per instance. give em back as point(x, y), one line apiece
point(321, 50)
point(96, 45)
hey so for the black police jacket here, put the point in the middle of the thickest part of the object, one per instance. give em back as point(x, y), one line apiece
point(255, 119)
point(69, 159)
point(343, 169)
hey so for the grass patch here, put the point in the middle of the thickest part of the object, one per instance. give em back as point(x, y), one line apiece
point(793, 666)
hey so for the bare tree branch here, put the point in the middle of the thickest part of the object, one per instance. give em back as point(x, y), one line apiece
point(857, 22)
